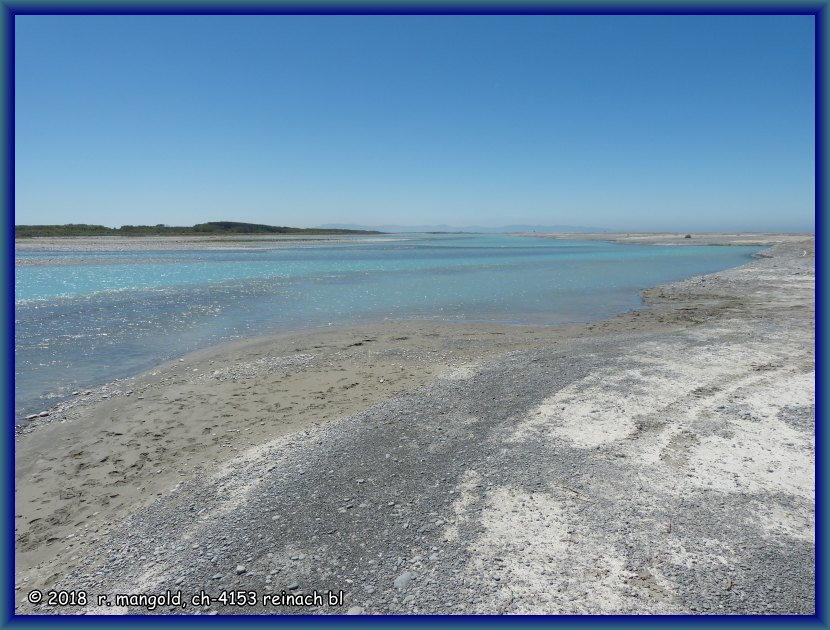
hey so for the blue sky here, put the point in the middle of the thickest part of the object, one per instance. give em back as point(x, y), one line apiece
point(621, 122)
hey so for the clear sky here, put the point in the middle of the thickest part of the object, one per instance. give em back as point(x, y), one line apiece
point(621, 122)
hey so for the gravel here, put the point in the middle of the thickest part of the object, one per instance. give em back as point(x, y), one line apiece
point(461, 509)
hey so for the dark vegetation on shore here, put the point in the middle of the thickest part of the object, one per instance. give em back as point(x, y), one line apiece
point(213, 228)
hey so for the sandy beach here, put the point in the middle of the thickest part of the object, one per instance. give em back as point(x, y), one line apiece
point(658, 462)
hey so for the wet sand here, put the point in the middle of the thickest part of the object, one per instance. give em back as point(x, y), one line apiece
point(120, 451)
point(118, 447)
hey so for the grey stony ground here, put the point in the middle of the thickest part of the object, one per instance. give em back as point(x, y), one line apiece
point(660, 468)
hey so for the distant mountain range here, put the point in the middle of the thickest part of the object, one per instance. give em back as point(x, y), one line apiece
point(467, 228)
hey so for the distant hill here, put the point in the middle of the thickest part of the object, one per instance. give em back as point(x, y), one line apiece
point(469, 228)
point(213, 228)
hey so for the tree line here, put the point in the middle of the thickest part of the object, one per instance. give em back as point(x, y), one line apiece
point(200, 229)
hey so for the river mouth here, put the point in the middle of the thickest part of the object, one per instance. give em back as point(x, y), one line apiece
point(85, 317)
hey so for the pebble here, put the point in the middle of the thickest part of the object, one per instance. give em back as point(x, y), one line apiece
point(240, 569)
point(403, 580)
point(355, 610)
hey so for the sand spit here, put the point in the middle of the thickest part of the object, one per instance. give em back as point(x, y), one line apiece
point(656, 462)
point(176, 243)
point(680, 238)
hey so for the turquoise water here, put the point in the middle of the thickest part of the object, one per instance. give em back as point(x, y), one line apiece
point(83, 318)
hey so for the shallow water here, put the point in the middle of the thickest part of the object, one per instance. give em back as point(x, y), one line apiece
point(84, 318)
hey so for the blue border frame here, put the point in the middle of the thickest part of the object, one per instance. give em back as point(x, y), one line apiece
point(414, 7)
point(821, 206)
point(9, 8)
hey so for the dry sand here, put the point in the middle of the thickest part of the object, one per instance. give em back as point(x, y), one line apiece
point(121, 449)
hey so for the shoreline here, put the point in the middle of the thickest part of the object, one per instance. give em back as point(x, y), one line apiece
point(76, 480)
point(27, 421)
point(681, 238)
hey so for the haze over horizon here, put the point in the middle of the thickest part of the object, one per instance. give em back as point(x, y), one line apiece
point(631, 123)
